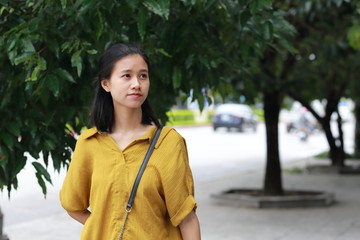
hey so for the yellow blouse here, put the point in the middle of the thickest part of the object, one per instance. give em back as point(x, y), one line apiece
point(101, 176)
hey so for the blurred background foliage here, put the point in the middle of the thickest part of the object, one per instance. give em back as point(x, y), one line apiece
point(254, 48)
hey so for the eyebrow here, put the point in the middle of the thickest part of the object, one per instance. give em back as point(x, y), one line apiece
point(128, 70)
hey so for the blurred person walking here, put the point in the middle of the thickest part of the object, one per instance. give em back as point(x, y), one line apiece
point(304, 126)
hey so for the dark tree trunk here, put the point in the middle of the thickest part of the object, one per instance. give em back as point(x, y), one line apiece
point(336, 145)
point(340, 141)
point(337, 155)
point(2, 236)
point(273, 180)
point(357, 127)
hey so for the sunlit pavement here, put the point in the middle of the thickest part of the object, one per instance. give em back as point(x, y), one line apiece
point(220, 161)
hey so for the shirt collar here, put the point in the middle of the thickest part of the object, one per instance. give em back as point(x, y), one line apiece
point(148, 135)
point(89, 133)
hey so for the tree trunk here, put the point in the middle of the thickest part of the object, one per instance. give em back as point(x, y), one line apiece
point(357, 127)
point(337, 155)
point(2, 236)
point(340, 141)
point(273, 180)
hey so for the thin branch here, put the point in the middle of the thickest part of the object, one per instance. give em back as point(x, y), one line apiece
point(305, 104)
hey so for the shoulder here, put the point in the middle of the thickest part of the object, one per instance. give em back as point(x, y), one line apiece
point(88, 133)
point(169, 136)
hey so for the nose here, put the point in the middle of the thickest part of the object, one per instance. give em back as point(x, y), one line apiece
point(135, 83)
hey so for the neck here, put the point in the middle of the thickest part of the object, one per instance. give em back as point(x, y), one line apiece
point(127, 119)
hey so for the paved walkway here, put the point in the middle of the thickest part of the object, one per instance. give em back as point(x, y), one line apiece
point(340, 221)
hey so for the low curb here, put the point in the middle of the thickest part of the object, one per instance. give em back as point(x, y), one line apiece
point(292, 199)
point(316, 169)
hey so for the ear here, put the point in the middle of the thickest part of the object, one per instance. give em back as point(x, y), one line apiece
point(105, 85)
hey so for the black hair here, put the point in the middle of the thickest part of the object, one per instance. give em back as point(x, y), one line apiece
point(102, 114)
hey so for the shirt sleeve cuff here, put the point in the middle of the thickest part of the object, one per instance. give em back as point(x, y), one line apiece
point(188, 205)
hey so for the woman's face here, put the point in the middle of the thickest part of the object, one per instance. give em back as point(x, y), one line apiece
point(129, 82)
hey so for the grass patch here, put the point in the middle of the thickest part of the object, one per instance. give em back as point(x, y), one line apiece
point(294, 170)
point(324, 155)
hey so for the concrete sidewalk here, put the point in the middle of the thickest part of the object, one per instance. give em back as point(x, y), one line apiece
point(340, 221)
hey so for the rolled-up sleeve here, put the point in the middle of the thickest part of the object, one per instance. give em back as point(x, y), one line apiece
point(178, 184)
point(75, 192)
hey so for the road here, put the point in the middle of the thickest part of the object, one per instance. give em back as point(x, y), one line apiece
point(212, 155)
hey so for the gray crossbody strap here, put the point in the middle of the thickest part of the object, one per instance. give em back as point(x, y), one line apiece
point(138, 177)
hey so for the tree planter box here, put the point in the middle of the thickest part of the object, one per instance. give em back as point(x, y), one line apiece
point(252, 198)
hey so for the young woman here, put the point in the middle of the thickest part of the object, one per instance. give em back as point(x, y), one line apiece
point(107, 158)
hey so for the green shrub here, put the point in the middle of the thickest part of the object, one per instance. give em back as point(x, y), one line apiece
point(259, 113)
point(180, 117)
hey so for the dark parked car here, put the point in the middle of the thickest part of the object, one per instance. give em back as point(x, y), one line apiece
point(231, 115)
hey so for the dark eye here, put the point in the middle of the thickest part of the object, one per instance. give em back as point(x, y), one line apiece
point(143, 76)
point(126, 76)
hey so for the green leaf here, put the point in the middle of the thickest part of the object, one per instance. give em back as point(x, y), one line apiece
point(63, 4)
point(22, 58)
point(32, 128)
point(42, 63)
point(54, 47)
point(265, 4)
point(176, 77)
point(46, 156)
point(200, 98)
point(163, 52)
point(49, 145)
point(11, 45)
point(189, 61)
point(76, 61)
point(209, 4)
point(28, 46)
point(41, 170)
point(354, 36)
point(244, 17)
point(268, 31)
point(92, 51)
point(34, 74)
point(338, 2)
point(158, 7)
point(19, 164)
point(133, 3)
point(256, 5)
point(63, 74)
point(53, 84)
point(2, 9)
point(99, 24)
point(12, 56)
point(69, 127)
point(65, 46)
point(41, 183)
point(13, 128)
point(307, 6)
point(7, 139)
point(34, 24)
point(141, 23)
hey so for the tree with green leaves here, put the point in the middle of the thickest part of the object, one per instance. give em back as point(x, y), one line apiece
point(267, 78)
point(322, 69)
point(49, 51)
point(285, 68)
point(271, 81)
point(354, 41)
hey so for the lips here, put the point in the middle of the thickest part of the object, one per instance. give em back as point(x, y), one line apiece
point(135, 95)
